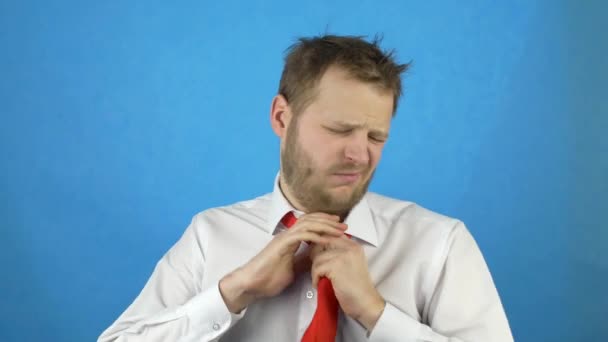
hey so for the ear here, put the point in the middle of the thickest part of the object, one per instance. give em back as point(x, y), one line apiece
point(280, 115)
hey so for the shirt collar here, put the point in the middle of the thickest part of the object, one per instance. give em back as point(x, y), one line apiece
point(359, 220)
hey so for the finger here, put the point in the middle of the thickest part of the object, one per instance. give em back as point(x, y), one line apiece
point(321, 215)
point(340, 242)
point(318, 271)
point(321, 220)
point(315, 250)
point(327, 246)
point(326, 227)
point(329, 231)
point(306, 236)
point(326, 256)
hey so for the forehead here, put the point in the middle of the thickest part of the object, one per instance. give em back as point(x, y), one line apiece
point(340, 97)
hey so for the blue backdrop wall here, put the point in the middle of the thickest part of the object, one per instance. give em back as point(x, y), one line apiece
point(120, 120)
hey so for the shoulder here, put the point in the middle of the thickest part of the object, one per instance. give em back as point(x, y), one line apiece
point(395, 209)
point(247, 209)
point(224, 222)
point(393, 213)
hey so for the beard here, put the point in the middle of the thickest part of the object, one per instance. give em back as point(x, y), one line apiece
point(309, 184)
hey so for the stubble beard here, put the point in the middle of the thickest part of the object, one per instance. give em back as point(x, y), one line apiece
point(306, 183)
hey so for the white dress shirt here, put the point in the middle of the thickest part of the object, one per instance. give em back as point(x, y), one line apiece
point(427, 267)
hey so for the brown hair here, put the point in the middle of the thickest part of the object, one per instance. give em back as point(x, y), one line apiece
point(307, 60)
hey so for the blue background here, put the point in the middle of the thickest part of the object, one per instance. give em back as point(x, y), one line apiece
point(120, 120)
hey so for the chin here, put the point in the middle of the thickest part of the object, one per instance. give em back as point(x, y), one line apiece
point(344, 199)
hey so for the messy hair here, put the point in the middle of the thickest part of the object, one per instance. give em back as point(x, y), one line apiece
point(307, 60)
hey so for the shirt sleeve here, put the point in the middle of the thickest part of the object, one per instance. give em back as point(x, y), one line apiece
point(172, 307)
point(464, 305)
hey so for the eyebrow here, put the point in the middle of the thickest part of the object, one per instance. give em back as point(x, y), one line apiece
point(346, 125)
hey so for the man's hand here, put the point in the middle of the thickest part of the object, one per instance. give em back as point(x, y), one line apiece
point(343, 262)
point(272, 270)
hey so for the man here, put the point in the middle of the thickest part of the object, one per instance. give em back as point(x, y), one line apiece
point(320, 258)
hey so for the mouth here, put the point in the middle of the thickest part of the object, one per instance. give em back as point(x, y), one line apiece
point(347, 177)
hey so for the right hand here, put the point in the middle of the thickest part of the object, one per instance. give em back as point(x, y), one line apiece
point(272, 269)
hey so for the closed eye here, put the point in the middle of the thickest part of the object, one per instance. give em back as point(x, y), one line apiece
point(377, 139)
point(339, 131)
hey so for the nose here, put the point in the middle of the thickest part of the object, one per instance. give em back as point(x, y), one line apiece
point(356, 150)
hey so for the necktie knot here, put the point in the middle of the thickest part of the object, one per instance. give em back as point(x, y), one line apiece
point(289, 220)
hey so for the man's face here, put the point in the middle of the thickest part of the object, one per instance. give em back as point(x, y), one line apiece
point(332, 148)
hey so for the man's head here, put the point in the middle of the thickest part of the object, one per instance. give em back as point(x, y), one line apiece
point(336, 100)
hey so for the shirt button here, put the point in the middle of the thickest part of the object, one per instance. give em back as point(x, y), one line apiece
point(309, 294)
point(216, 326)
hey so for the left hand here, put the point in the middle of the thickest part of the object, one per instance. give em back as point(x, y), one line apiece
point(343, 262)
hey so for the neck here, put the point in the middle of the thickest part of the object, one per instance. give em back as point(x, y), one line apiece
point(289, 196)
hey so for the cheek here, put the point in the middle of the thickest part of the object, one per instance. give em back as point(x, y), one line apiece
point(322, 151)
point(375, 154)
point(324, 158)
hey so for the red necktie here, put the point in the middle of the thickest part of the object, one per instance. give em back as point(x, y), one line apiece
point(324, 323)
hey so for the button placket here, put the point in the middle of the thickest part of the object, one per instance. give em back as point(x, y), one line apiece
point(308, 302)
